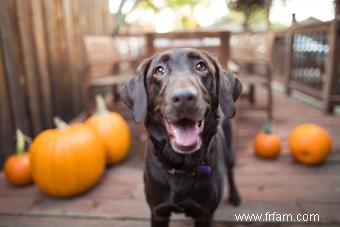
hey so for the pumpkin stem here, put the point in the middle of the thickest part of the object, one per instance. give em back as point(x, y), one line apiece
point(101, 108)
point(20, 149)
point(267, 126)
point(60, 123)
point(28, 139)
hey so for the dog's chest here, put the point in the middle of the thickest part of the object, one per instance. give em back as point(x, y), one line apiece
point(193, 195)
point(199, 187)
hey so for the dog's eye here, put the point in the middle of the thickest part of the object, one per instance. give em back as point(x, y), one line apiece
point(159, 71)
point(201, 66)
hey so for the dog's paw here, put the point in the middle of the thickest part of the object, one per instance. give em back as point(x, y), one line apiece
point(234, 198)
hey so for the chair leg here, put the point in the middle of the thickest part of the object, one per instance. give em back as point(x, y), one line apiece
point(115, 93)
point(270, 92)
point(288, 90)
point(329, 108)
point(270, 102)
point(252, 94)
point(86, 98)
point(142, 138)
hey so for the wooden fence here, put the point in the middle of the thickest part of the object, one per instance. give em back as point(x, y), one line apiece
point(41, 61)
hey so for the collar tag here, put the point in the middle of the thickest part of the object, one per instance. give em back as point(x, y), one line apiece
point(204, 169)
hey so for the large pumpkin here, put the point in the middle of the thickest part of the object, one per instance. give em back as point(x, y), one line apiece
point(113, 131)
point(266, 144)
point(310, 144)
point(17, 167)
point(68, 160)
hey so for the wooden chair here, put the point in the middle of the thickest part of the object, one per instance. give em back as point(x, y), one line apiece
point(216, 43)
point(251, 53)
point(103, 67)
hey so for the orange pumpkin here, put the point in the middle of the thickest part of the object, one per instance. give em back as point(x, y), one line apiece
point(68, 160)
point(113, 131)
point(310, 144)
point(17, 167)
point(266, 144)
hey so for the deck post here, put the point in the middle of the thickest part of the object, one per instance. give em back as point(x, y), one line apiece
point(332, 69)
point(288, 61)
point(288, 55)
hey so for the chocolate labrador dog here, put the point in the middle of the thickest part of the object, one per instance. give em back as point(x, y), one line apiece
point(187, 99)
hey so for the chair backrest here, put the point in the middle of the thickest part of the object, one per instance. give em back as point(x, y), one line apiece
point(253, 51)
point(101, 55)
point(253, 48)
point(216, 43)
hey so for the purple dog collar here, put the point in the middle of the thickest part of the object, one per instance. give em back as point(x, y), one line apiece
point(201, 169)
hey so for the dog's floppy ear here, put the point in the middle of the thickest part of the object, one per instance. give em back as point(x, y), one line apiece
point(228, 87)
point(229, 90)
point(134, 92)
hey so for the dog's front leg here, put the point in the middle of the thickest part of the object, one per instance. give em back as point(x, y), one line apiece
point(227, 127)
point(204, 221)
point(234, 197)
point(159, 221)
point(160, 215)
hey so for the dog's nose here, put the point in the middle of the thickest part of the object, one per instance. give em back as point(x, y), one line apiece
point(184, 97)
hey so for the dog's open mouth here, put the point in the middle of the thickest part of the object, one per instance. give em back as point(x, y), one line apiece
point(184, 134)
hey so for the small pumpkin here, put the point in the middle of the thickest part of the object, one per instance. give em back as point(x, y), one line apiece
point(17, 168)
point(310, 144)
point(266, 144)
point(68, 160)
point(113, 131)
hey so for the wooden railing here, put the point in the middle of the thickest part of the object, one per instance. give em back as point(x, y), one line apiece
point(309, 54)
point(304, 58)
point(310, 59)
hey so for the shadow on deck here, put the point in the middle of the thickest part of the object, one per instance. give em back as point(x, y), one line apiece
point(280, 186)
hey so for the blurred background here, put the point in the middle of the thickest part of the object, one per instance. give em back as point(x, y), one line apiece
point(56, 56)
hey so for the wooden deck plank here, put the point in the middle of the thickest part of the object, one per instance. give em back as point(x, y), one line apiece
point(9, 221)
point(39, 221)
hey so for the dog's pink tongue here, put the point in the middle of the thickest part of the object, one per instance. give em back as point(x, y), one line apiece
point(185, 135)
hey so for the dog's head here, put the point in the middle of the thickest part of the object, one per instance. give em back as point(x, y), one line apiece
point(181, 91)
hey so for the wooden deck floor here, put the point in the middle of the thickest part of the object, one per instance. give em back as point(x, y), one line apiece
point(280, 186)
